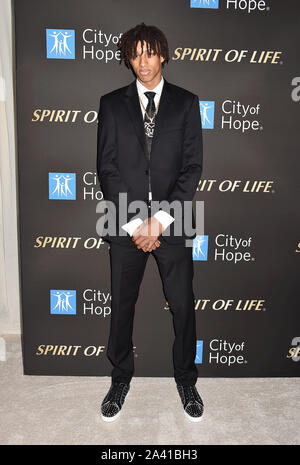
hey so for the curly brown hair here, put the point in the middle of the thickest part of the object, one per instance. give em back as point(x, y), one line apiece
point(153, 37)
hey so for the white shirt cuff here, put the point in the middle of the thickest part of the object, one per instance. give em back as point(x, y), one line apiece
point(164, 218)
point(131, 226)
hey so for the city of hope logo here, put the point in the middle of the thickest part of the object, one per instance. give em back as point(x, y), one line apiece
point(207, 111)
point(62, 186)
point(60, 43)
point(204, 4)
point(200, 246)
point(199, 352)
point(62, 302)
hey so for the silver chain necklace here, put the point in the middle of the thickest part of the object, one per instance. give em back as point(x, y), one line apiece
point(156, 109)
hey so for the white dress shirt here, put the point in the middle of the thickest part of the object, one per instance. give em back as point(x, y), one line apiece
point(163, 217)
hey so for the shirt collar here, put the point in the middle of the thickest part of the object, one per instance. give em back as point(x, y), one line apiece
point(157, 89)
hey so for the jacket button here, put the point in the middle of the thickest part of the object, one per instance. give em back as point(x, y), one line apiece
point(146, 171)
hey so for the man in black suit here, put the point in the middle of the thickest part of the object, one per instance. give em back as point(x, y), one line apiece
point(150, 150)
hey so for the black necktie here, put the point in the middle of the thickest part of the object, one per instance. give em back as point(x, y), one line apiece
point(148, 126)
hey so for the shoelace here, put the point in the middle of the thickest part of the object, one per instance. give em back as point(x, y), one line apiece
point(116, 392)
point(190, 394)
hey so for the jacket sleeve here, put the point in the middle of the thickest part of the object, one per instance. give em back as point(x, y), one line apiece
point(191, 170)
point(108, 172)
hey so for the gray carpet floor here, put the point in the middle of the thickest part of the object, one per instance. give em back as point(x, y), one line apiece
point(65, 410)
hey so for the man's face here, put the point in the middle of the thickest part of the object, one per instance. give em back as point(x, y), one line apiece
point(147, 67)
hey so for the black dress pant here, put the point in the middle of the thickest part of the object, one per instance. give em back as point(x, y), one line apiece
point(176, 269)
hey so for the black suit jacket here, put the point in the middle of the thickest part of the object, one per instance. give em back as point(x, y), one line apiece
point(176, 154)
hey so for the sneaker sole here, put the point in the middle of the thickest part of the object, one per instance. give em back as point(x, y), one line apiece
point(193, 418)
point(104, 418)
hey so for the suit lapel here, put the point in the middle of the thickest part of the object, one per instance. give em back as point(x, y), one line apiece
point(133, 105)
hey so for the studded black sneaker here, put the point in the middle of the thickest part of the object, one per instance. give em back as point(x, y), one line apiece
point(113, 401)
point(191, 401)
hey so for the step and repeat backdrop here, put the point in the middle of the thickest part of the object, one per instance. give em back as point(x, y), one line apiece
point(242, 60)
